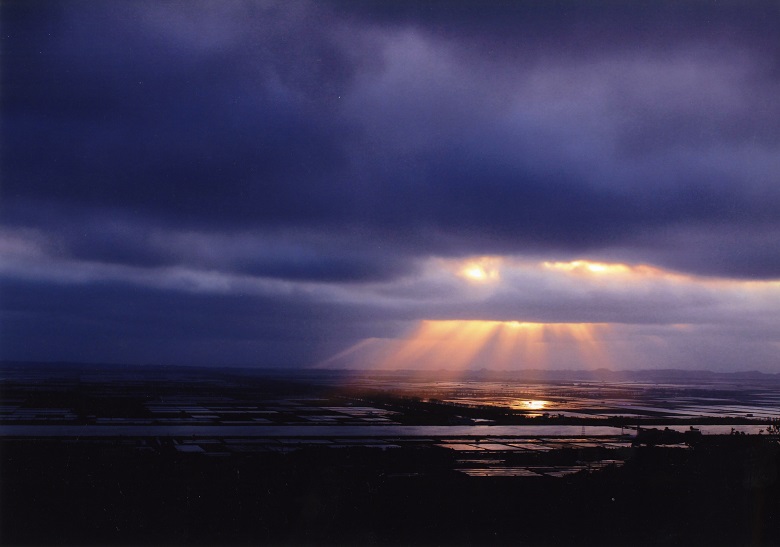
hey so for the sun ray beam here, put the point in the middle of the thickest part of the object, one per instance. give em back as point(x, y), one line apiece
point(462, 345)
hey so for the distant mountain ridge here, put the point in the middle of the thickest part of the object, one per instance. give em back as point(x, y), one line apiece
point(596, 375)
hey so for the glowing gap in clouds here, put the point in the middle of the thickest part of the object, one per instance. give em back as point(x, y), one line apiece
point(586, 266)
point(481, 270)
point(458, 345)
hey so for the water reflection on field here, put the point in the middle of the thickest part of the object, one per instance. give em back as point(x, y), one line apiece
point(549, 428)
point(692, 398)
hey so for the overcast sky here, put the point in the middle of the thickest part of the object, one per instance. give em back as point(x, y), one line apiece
point(322, 183)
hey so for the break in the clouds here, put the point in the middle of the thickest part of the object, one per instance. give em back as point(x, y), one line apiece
point(273, 183)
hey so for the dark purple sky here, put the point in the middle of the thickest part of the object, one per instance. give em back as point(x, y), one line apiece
point(270, 183)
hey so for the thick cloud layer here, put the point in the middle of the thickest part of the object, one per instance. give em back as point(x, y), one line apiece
point(327, 155)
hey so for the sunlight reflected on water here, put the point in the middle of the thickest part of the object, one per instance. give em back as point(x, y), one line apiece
point(529, 405)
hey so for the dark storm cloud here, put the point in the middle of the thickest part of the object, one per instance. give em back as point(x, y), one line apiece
point(578, 29)
point(257, 114)
point(171, 145)
point(109, 111)
point(117, 322)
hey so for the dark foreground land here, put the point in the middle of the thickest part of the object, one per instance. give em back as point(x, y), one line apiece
point(89, 493)
point(271, 487)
